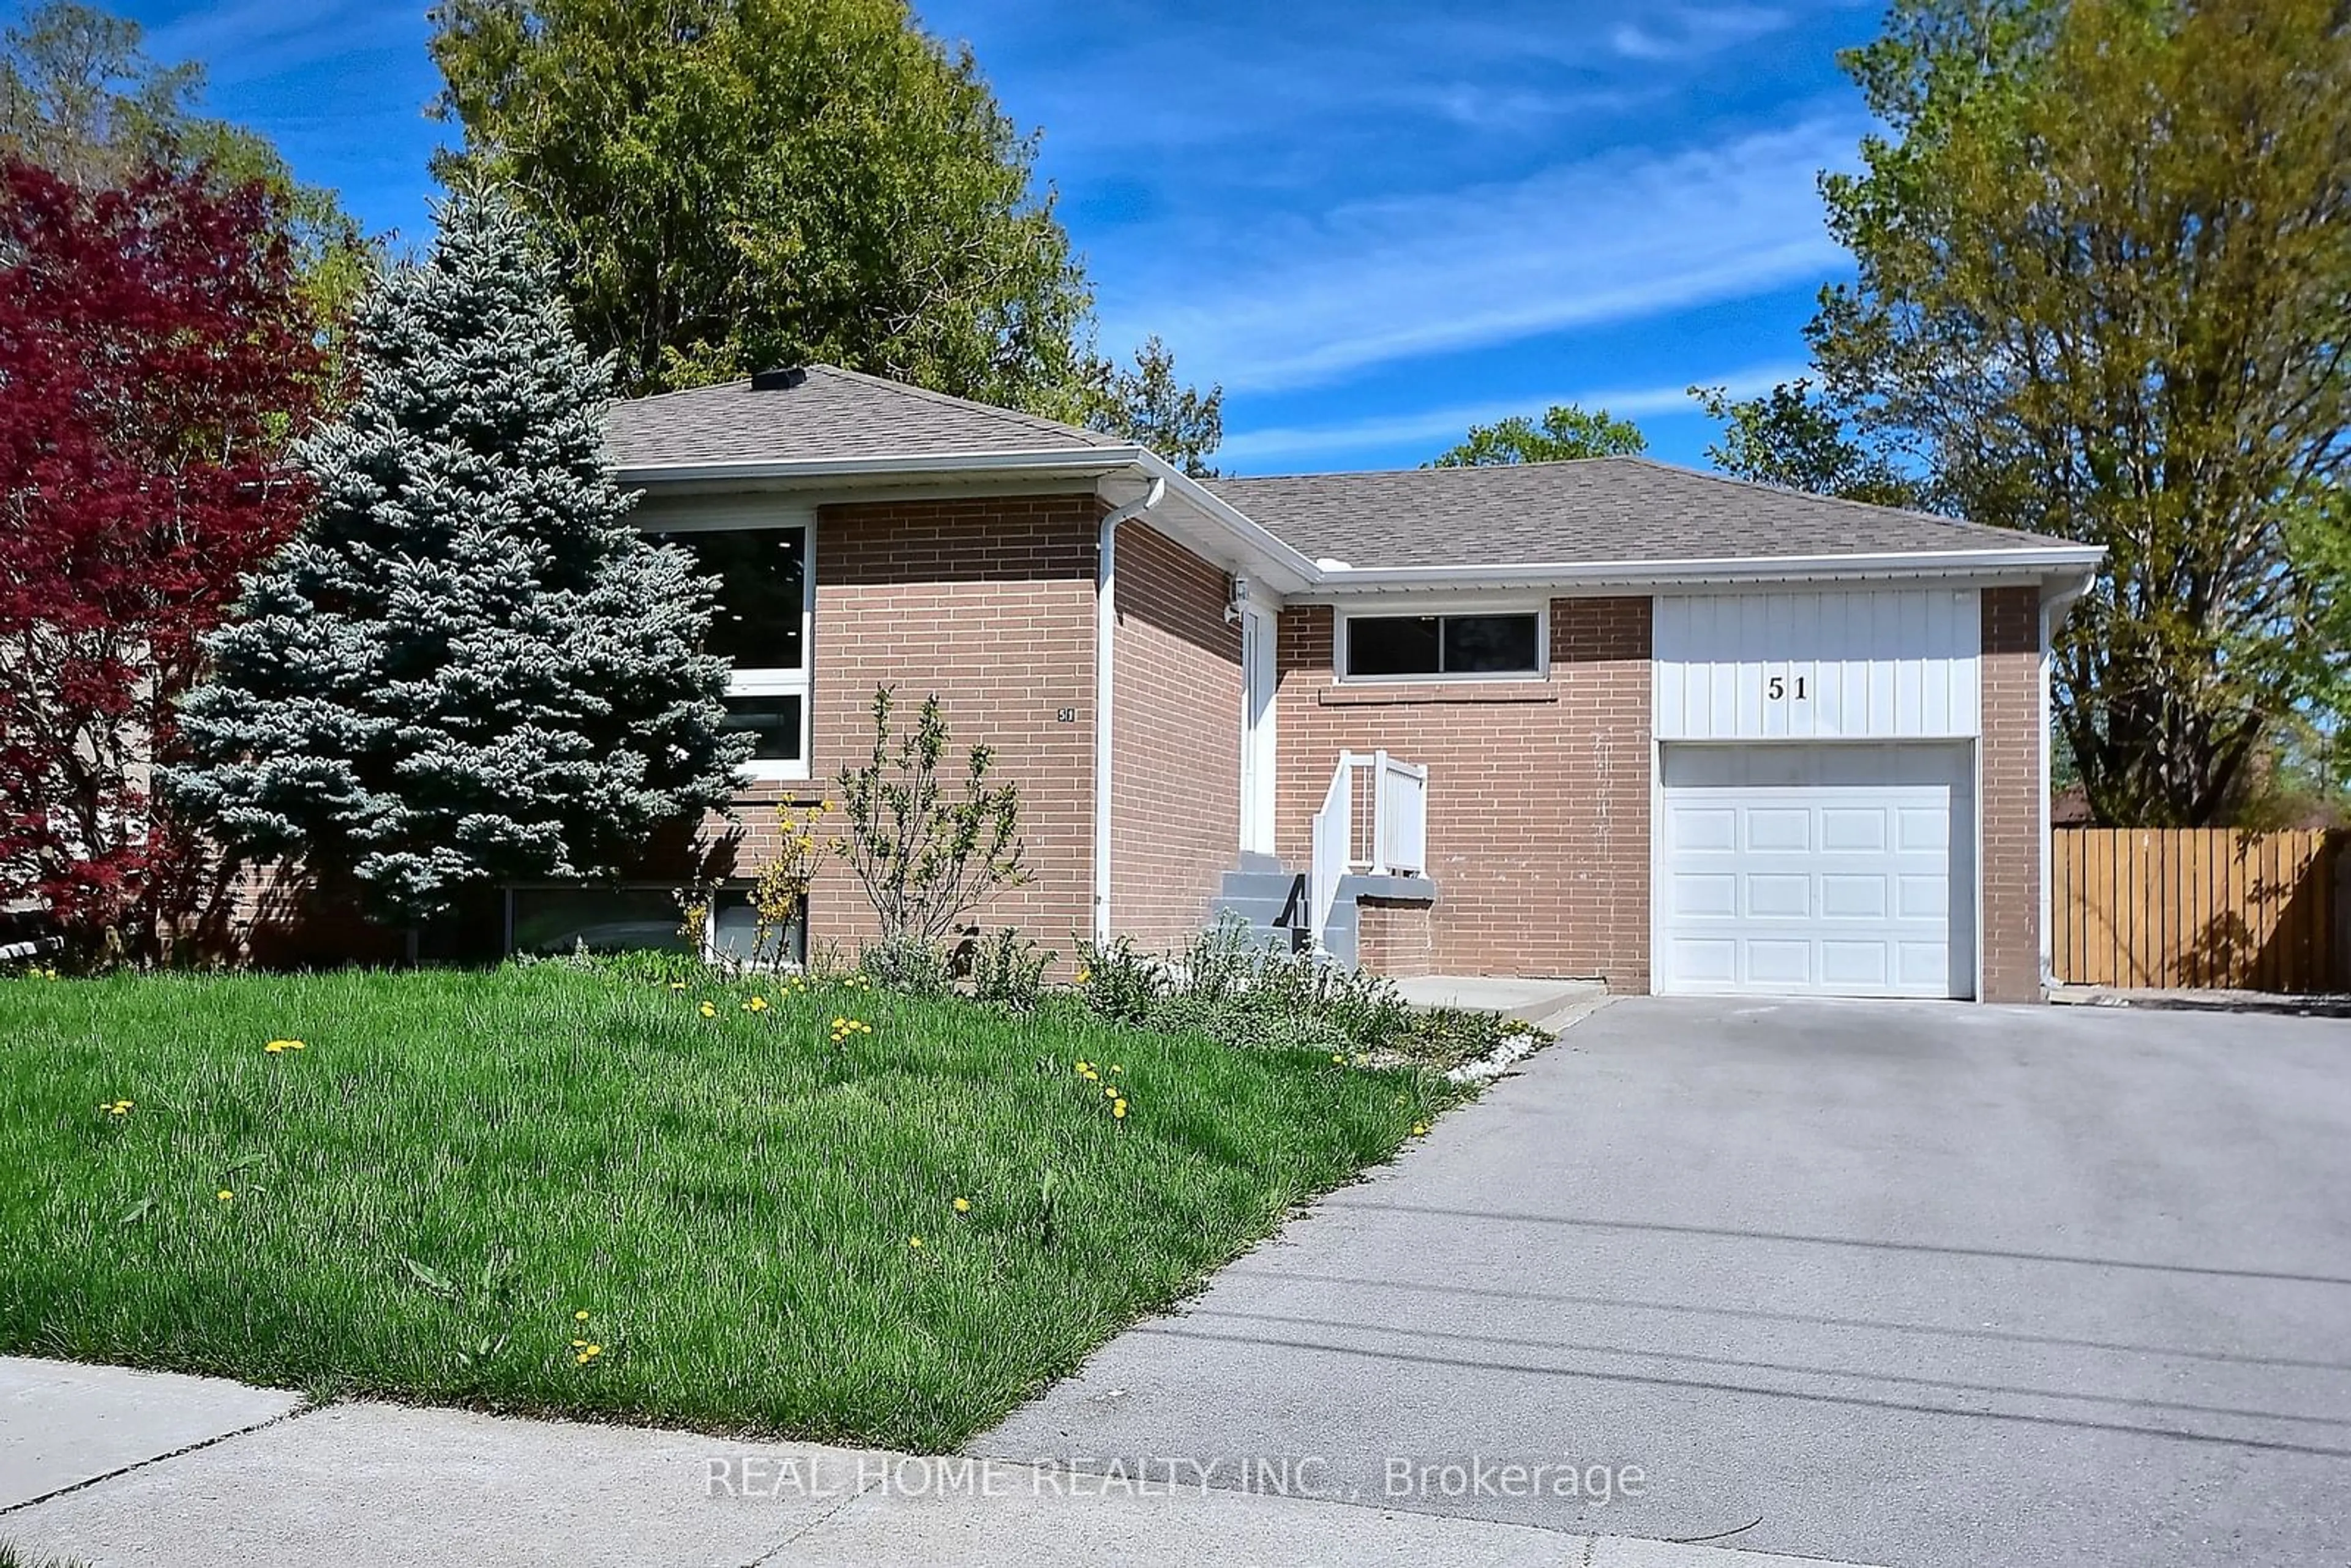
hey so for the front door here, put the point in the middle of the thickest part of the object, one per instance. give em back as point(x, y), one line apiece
point(1257, 733)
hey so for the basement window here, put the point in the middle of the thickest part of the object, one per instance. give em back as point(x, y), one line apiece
point(1436, 647)
point(600, 918)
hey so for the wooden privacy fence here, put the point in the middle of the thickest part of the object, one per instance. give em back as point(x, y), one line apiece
point(2204, 907)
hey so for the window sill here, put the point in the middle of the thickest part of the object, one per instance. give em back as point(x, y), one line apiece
point(751, 781)
point(1387, 694)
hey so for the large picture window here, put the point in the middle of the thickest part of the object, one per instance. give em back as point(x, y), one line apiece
point(1424, 647)
point(762, 624)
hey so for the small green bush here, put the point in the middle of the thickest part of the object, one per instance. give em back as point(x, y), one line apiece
point(1232, 986)
point(908, 965)
point(650, 965)
point(1122, 982)
point(1009, 970)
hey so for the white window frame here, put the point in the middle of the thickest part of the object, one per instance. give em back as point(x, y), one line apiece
point(1450, 610)
point(769, 682)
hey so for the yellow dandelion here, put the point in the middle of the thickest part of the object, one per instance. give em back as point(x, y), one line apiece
point(677, 985)
point(1420, 1129)
point(708, 1012)
point(1084, 974)
point(1115, 1066)
point(1118, 1110)
point(962, 1206)
point(1339, 1058)
point(225, 1195)
point(579, 1345)
point(580, 1316)
point(1109, 1092)
point(915, 1243)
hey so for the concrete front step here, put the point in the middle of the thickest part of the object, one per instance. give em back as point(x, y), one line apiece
point(1256, 910)
point(1274, 884)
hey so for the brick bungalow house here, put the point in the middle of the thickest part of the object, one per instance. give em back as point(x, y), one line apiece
point(1607, 718)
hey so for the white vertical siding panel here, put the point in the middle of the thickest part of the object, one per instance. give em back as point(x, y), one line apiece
point(1717, 615)
point(1933, 626)
point(1668, 681)
point(1874, 663)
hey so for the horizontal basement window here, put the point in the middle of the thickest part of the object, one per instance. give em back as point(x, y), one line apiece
point(774, 723)
point(1402, 646)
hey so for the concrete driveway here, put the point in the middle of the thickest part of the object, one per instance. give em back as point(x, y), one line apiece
point(1907, 1284)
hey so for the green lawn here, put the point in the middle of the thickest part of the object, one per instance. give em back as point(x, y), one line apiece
point(458, 1164)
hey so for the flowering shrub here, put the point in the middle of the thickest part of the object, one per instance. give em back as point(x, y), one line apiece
point(779, 895)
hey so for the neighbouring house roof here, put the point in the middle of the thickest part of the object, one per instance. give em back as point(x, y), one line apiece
point(831, 414)
point(1590, 510)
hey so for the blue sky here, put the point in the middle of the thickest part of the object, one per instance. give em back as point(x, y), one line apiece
point(1374, 222)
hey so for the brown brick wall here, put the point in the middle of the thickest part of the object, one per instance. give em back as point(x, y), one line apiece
point(989, 603)
point(1537, 790)
point(1395, 936)
point(2010, 779)
point(1175, 776)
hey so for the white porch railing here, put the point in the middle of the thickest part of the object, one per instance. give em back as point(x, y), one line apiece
point(1388, 838)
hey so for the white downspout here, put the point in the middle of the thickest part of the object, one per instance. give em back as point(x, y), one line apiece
point(1105, 629)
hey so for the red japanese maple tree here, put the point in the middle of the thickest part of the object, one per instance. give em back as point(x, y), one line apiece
point(156, 360)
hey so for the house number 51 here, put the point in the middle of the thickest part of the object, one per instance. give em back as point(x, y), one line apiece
point(1776, 688)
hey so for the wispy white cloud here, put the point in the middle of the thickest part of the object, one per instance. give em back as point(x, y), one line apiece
point(1684, 32)
point(238, 40)
point(1440, 427)
point(1300, 299)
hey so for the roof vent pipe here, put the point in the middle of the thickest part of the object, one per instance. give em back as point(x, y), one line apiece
point(780, 380)
point(1105, 626)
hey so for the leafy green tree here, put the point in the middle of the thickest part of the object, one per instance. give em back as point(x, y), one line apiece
point(2104, 289)
point(1566, 433)
point(1791, 437)
point(469, 668)
point(1146, 404)
point(729, 184)
point(79, 97)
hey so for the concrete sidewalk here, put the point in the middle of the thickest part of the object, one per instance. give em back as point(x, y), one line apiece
point(110, 1467)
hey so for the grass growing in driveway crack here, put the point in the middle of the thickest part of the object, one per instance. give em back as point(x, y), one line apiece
point(830, 1213)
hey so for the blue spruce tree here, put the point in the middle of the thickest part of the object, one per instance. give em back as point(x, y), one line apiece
point(469, 669)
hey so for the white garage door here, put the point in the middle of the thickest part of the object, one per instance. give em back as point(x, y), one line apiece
point(1839, 870)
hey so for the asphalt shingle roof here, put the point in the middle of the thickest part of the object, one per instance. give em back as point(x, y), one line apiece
point(1536, 514)
point(833, 413)
point(1597, 509)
